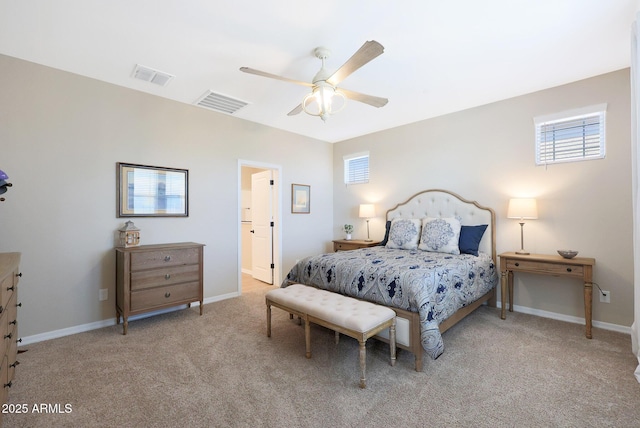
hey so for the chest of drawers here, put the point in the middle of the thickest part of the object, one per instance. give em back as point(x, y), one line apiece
point(152, 277)
point(9, 276)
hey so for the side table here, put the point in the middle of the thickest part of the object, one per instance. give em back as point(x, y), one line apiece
point(578, 267)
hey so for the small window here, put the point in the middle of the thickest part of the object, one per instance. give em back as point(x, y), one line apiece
point(356, 168)
point(571, 136)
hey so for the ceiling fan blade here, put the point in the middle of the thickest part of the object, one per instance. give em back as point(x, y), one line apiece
point(364, 98)
point(368, 51)
point(295, 111)
point(273, 76)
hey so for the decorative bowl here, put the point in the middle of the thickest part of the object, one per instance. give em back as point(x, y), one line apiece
point(568, 254)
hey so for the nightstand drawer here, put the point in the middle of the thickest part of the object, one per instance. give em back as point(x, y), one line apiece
point(352, 244)
point(340, 246)
point(559, 269)
point(162, 296)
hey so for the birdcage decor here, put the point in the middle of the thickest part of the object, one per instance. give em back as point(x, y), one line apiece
point(129, 235)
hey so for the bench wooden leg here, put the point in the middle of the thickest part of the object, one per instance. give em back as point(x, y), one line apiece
point(307, 337)
point(337, 337)
point(363, 363)
point(392, 342)
point(268, 319)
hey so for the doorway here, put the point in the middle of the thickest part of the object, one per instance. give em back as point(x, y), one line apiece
point(259, 235)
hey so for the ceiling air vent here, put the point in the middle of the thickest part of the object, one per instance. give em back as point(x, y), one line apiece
point(150, 75)
point(219, 102)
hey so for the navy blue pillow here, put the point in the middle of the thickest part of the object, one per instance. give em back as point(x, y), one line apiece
point(470, 237)
point(386, 233)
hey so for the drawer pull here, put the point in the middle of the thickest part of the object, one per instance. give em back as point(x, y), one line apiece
point(11, 288)
point(167, 294)
point(19, 305)
point(568, 269)
point(19, 274)
point(19, 341)
point(167, 276)
point(14, 322)
point(167, 258)
point(7, 384)
point(7, 336)
point(517, 264)
point(14, 364)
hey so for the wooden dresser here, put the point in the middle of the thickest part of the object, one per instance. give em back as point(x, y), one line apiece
point(9, 276)
point(152, 277)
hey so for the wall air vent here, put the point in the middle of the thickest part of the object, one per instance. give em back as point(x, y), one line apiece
point(150, 75)
point(220, 103)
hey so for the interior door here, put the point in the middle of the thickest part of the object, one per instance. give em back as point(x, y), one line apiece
point(262, 226)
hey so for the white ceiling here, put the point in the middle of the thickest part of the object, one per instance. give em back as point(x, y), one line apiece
point(440, 56)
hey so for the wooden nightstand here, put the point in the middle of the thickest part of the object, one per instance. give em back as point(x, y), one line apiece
point(352, 244)
point(578, 267)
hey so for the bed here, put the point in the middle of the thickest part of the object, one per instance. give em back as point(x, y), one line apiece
point(431, 281)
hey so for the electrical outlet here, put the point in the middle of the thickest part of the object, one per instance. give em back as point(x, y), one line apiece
point(605, 296)
point(103, 294)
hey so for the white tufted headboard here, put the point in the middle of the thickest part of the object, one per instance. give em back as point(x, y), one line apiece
point(442, 203)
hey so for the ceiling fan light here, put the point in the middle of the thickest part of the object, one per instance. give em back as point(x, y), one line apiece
point(321, 102)
point(324, 97)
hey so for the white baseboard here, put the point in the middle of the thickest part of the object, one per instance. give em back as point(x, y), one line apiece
point(112, 321)
point(569, 318)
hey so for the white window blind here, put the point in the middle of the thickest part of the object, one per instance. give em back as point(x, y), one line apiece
point(571, 136)
point(356, 168)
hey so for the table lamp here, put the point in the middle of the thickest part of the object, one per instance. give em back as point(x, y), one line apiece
point(367, 211)
point(523, 209)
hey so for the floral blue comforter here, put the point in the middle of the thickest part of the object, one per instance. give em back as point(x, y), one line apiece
point(433, 284)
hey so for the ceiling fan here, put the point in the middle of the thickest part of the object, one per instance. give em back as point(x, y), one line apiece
point(322, 101)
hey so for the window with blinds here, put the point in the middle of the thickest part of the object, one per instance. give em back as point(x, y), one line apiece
point(356, 168)
point(571, 136)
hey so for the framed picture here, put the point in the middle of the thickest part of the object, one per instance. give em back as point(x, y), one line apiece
point(151, 191)
point(300, 199)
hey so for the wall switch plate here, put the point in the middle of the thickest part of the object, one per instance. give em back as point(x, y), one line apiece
point(103, 294)
point(605, 296)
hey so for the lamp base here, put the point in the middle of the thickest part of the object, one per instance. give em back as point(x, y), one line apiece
point(523, 252)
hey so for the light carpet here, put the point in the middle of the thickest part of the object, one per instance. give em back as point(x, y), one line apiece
point(220, 370)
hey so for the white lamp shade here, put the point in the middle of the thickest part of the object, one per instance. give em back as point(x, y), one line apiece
point(522, 208)
point(367, 211)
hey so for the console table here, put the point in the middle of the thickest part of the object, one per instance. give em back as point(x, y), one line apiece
point(578, 267)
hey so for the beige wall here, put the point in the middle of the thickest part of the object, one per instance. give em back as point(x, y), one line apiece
point(60, 138)
point(61, 135)
point(487, 154)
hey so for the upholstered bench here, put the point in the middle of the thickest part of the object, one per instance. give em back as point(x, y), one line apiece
point(346, 315)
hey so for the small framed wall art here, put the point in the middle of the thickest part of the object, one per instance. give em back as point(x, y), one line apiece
point(300, 199)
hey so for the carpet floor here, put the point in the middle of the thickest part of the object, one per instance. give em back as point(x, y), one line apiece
point(220, 370)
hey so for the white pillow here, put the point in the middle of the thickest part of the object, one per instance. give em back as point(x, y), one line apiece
point(404, 233)
point(440, 235)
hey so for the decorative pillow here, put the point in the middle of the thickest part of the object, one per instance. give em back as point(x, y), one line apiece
point(470, 237)
point(440, 235)
point(404, 233)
